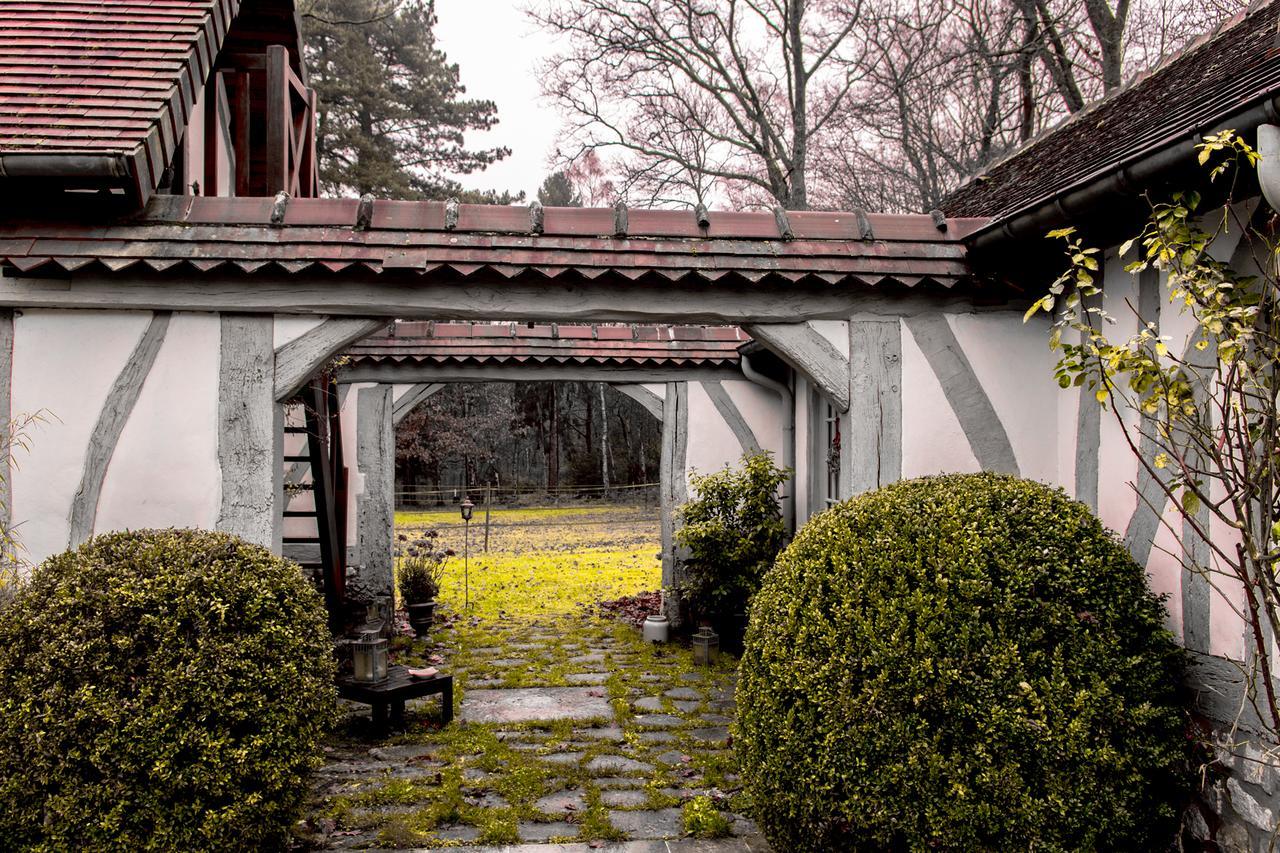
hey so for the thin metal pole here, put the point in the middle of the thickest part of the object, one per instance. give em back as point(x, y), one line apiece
point(466, 563)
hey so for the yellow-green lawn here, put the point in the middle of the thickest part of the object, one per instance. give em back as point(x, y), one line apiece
point(546, 561)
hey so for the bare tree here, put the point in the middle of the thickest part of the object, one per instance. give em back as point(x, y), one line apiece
point(702, 95)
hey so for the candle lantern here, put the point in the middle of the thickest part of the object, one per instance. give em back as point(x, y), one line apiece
point(706, 646)
point(467, 508)
point(369, 657)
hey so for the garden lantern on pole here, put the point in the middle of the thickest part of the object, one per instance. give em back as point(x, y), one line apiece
point(467, 508)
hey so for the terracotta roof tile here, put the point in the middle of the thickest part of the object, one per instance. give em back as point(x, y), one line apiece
point(90, 59)
point(408, 238)
point(416, 342)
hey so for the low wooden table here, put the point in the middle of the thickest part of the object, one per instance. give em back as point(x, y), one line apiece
point(392, 693)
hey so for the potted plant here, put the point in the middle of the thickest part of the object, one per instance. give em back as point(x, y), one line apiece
point(421, 568)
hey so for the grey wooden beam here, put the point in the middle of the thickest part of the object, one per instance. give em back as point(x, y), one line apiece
point(1088, 440)
point(298, 360)
point(872, 453)
point(496, 299)
point(110, 424)
point(972, 407)
point(652, 402)
point(732, 416)
point(247, 431)
point(411, 399)
point(1144, 523)
point(6, 420)
point(806, 350)
point(375, 506)
point(398, 373)
point(672, 489)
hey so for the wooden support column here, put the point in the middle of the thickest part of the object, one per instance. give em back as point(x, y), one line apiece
point(375, 506)
point(250, 432)
point(278, 119)
point(872, 453)
point(672, 489)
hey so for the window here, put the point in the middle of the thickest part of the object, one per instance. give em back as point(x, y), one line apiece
point(831, 420)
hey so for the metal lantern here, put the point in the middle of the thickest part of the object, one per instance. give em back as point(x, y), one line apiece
point(706, 646)
point(369, 657)
point(467, 507)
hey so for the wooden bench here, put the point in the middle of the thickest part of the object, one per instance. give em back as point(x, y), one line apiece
point(392, 693)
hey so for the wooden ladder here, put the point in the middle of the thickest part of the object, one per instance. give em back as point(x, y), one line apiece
point(323, 547)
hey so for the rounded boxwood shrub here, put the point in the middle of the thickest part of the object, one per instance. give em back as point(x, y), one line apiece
point(162, 690)
point(966, 662)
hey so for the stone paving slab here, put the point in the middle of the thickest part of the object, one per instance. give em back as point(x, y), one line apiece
point(685, 845)
point(533, 704)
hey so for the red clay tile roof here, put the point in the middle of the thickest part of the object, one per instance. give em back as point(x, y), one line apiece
point(116, 79)
point(1213, 79)
point(320, 236)
point(563, 343)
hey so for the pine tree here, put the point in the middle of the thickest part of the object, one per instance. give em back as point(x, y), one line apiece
point(392, 117)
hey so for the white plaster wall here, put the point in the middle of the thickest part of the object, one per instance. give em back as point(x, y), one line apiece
point(350, 443)
point(712, 443)
point(1015, 367)
point(164, 471)
point(289, 327)
point(932, 440)
point(835, 331)
point(64, 363)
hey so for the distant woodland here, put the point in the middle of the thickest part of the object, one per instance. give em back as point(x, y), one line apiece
point(527, 436)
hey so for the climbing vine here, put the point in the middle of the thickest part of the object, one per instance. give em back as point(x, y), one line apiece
point(1206, 417)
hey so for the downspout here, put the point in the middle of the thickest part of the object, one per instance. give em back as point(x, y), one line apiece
point(788, 435)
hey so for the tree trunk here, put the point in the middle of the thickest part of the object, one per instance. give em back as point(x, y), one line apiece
point(799, 195)
point(553, 444)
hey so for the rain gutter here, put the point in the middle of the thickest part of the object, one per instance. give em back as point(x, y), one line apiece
point(1130, 174)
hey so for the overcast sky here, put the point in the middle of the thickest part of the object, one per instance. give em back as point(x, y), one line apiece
point(496, 48)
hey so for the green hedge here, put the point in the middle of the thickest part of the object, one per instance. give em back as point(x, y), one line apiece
point(162, 690)
point(961, 663)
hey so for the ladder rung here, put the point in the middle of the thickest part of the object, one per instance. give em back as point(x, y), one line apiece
point(299, 513)
point(292, 430)
point(303, 458)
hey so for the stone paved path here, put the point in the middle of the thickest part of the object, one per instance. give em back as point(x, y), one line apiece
point(571, 735)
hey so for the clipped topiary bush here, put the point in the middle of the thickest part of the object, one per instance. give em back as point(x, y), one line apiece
point(966, 662)
point(162, 690)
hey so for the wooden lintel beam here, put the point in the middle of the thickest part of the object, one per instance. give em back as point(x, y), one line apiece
point(498, 299)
